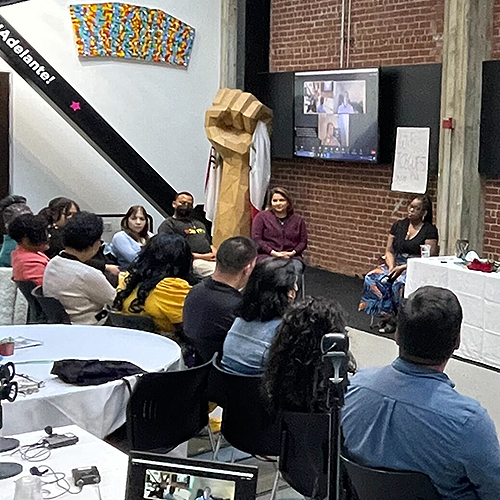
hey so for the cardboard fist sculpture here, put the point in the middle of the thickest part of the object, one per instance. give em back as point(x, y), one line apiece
point(230, 124)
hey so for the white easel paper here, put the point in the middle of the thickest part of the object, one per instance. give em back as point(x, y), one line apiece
point(411, 162)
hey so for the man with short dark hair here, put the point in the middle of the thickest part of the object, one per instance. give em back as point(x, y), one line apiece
point(210, 307)
point(408, 416)
point(81, 289)
point(194, 231)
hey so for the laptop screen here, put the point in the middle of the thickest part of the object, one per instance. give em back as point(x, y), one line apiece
point(151, 475)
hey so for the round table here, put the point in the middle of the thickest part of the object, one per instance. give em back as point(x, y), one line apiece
point(98, 409)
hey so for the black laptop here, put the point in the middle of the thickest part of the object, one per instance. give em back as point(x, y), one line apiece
point(151, 475)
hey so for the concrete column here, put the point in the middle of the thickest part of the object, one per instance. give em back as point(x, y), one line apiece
point(229, 43)
point(467, 37)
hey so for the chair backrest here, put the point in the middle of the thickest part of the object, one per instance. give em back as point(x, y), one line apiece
point(216, 381)
point(35, 311)
point(145, 323)
point(168, 408)
point(246, 423)
point(375, 484)
point(304, 452)
point(52, 308)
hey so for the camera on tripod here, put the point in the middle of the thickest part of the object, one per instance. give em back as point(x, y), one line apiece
point(335, 348)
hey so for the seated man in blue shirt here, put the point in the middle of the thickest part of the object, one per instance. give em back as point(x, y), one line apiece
point(408, 416)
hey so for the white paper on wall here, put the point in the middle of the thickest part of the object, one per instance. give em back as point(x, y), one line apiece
point(411, 161)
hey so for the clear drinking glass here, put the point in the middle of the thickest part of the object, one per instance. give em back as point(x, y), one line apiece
point(461, 248)
point(28, 488)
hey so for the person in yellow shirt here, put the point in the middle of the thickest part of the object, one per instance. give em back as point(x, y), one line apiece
point(156, 283)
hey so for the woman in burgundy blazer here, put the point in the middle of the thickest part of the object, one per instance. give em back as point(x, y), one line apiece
point(277, 231)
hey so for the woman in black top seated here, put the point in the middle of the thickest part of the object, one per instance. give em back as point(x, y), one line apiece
point(296, 378)
point(384, 286)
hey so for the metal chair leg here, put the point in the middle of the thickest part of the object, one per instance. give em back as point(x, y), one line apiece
point(217, 446)
point(372, 321)
point(215, 442)
point(211, 437)
point(275, 485)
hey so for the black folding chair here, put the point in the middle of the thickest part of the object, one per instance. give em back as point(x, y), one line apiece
point(166, 409)
point(303, 459)
point(52, 308)
point(246, 423)
point(376, 484)
point(145, 323)
point(35, 312)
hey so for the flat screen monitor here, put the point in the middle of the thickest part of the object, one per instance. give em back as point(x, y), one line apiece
point(152, 475)
point(336, 115)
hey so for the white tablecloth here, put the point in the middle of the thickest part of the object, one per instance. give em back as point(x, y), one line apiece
point(13, 305)
point(98, 409)
point(111, 463)
point(479, 295)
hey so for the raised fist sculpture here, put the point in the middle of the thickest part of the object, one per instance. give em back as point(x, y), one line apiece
point(230, 124)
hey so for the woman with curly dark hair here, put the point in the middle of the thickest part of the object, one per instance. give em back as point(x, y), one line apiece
point(10, 207)
point(270, 290)
point(294, 379)
point(28, 260)
point(156, 283)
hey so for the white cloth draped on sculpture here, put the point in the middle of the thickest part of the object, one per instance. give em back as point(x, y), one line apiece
point(260, 165)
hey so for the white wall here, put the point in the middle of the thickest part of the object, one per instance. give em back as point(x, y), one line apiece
point(471, 380)
point(159, 109)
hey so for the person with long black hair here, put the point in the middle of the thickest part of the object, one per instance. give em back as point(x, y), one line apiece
point(270, 290)
point(295, 377)
point(277, 230)
point(57, 214)
point(384, 286)
point(156, 284)
point(127, 243)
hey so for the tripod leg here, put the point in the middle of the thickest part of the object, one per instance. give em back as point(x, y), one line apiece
point(275, 485)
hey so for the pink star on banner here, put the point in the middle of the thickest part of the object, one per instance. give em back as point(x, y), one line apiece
point(75, 106)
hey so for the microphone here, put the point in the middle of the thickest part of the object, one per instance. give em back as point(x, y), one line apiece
point(334, 342)
point(334, 348)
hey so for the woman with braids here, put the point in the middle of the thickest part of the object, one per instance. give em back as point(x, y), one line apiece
point(294, 379)
point(156, 283)
point(384, 286)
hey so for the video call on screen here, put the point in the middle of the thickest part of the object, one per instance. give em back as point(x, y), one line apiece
point(336, 115)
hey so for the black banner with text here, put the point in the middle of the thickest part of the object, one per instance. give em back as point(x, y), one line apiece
point(39, 74)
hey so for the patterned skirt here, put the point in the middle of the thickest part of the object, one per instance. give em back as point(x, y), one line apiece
point(381, 297)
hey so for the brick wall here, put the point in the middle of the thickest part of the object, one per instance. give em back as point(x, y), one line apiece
point(492, 219)
point(491, 247)
point(495, 45)
point(349, 208)
point(305, 34)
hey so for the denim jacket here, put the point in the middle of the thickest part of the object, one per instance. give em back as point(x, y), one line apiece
point(247, 345)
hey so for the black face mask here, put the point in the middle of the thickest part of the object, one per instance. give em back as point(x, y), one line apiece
point(183, 211)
